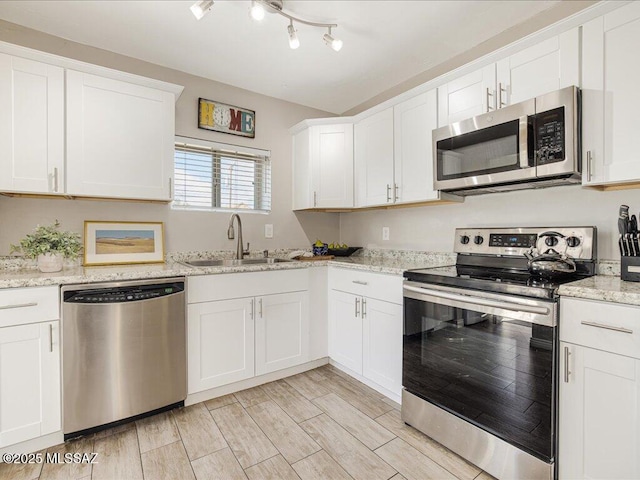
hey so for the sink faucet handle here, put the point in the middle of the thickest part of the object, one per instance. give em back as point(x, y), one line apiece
point(265, 253)
point(246, 252)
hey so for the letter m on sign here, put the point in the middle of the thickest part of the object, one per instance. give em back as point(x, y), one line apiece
point(236, 120)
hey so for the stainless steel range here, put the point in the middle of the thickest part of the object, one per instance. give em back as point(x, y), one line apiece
point(480, 350)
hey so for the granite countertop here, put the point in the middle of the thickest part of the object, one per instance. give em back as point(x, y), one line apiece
point(30, 277)
point(604, 288)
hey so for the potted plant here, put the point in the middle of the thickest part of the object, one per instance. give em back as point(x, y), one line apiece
point(49, 245)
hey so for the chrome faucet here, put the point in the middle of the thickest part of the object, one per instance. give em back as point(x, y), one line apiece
point(240, 253)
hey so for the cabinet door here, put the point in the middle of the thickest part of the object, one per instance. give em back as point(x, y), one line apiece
point(120, 139)
point(599, 417)
point(610, 97)
point(413, 122)
point(465, 97)
point(302, 189)
point(547, 66)
point(282, 331)
point(382, 343)
point(29, 382)
point(374, 159)
point(332, 159)
point(345, 330)
point(31, 126)
point(221, 343)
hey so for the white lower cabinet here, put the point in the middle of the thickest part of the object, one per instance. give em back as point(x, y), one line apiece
point(221, 343)
point(282, 331)
point(599, 414)
point(365, 325)
point(382, 343)
point(235, 339)
point(29, 381)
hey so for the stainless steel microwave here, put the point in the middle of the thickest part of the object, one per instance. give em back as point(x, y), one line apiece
point(531, 144)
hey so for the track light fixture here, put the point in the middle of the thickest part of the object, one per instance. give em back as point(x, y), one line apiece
point(332, 42)
point(293, 36)
point(201, 8)
point(257, 12)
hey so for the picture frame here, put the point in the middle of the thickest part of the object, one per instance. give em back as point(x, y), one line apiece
point(220, 117)
point(120, 243)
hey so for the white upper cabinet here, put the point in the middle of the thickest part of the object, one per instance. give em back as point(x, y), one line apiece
point(120, 138)
point(611, 97)
point(323, 166)
point(467, 96)
point(31, 126)
point(542, 68)
point(374, 159)
point(414, 120)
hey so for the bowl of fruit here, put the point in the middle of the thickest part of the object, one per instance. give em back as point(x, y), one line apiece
point(341, 250)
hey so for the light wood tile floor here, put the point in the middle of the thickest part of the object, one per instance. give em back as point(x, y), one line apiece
point(320, 424)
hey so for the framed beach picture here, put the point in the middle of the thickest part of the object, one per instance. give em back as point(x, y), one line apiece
point(110, 243)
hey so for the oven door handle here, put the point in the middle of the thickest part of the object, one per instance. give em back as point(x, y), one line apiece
point(513, 306)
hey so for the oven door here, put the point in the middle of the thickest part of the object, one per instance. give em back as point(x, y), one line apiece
point(489, 359)
point(492, 148)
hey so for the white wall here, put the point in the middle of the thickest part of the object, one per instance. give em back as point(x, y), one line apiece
point(432, 228)
point(183, 230)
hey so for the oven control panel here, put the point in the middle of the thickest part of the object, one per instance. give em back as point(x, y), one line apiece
point(575, 242)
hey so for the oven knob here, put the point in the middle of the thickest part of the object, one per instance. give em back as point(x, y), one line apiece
point(464, 239)
point(478, 240)
point(573, 242)
point(551, 241)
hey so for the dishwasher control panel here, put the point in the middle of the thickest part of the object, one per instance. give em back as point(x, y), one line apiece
point(123, 294)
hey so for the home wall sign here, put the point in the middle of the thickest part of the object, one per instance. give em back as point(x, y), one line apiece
point(224, 118)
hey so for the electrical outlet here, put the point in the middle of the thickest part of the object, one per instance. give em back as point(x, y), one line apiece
point(268, 230)
point(385, 233)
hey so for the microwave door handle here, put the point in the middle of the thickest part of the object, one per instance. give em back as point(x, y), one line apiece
point(524, 141)
point(513, 306)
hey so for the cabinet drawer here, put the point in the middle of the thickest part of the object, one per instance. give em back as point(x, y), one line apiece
point(208, 288)
point(606, 326)
point(373, 285)
point(19, 306)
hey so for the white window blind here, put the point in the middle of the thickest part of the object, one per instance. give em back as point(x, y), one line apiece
point(213, 176)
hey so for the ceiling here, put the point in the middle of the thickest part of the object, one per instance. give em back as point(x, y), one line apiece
point(385, 42)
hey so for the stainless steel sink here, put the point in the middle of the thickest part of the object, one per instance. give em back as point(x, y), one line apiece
point(234, 262)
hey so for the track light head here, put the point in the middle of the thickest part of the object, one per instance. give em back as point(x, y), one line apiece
point(201, 8)
point(294, 42)
point(334, 43)
point(256, 11)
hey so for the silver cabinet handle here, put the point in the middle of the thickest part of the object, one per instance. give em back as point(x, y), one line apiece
point(315, 199)
point(359, 282)
point(606, 327)
point(364, 307)
point(589, 170)
point(489, 95)
point(395, 192)
point(19, 305)
point(50, 338)
point(388, 192)
point(170, 187)
point(357, 306)
point(55, 179)
point(500, 90)
point(251, 313)
point(260, 301)
point(566, 364)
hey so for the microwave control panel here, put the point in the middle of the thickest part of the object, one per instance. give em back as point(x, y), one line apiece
point(550, 136)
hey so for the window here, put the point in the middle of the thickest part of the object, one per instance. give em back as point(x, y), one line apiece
point(215, 176)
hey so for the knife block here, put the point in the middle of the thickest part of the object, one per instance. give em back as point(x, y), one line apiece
point(630, 269)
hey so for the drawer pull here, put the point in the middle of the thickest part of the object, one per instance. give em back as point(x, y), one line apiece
point(567, 372)
point(607, 327)
point(50, 338)
point(19, 305)
point(360, 282)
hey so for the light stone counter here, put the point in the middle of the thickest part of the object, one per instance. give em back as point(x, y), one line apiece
point(393, 264)
point(604, 288)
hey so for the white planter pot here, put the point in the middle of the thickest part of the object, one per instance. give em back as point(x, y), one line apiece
point(50, 262)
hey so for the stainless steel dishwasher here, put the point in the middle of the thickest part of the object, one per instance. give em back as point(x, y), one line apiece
point(124, 352)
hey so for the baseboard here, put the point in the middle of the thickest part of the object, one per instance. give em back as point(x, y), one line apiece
point(253, 382)
point(36, 444)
